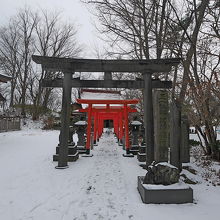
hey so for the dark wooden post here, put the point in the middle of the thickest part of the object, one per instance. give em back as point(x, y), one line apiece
point(148, 118)
point(175, 134)
point(65, 122)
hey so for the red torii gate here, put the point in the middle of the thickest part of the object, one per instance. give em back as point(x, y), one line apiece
point(119, 115)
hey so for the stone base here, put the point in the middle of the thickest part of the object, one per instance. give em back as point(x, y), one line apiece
point(87, 155)
point(128, 155)
point(81, 149)
point(141, 157)
point(134, 149)
point(71, 150)
point(165, 194)
point(142, 149)
point(71, 158)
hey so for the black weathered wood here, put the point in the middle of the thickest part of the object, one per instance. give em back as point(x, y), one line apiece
point(175, 134)
point(148, 118)
point(97, 65)
point(131, 84)
point(65, 121)
point(107, 76)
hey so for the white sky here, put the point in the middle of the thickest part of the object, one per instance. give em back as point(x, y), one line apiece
point(72, 11)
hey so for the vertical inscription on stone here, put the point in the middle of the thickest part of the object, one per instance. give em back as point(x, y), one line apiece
point(161, 131)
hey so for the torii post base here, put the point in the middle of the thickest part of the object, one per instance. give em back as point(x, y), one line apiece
point(87, 154)
point(61, 168)
point(128, 154)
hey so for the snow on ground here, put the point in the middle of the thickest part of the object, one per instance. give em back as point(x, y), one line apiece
point(100, 187)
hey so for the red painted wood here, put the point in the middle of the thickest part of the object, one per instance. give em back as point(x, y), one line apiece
point(119, 115)
point(121, 126)
point(95, 126)
point(127, 143)
point(89, 125)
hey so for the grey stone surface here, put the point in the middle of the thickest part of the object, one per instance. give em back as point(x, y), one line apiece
point(71, 150)
point(175, 134)
point(161, 120)
point(164, 196)
point(141, 157)
point(81, 138)
point(161, 174)
point(70, 158)
point(184, 145)
point(148, 118)
point(135, 135)
point(142, 149)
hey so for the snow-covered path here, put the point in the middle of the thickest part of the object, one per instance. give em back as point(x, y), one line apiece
point(100, 187)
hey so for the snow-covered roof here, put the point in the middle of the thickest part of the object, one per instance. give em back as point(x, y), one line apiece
point(81, 123)
point(136, 123)
point(100, 95)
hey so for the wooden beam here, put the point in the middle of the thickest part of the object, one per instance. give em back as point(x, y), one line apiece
point(131, 84)
point(99, 101)
point(108, 111)
point(97, 65)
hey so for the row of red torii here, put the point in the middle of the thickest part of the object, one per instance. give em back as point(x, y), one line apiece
point(119, 115)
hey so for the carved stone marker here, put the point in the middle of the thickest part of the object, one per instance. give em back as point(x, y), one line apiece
point(161, 120)
point(175, 134)
point(135, 130)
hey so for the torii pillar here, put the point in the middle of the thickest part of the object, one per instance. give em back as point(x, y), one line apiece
point(148, 118)
point(65, 122)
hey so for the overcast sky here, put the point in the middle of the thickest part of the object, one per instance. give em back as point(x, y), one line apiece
point(72, 10)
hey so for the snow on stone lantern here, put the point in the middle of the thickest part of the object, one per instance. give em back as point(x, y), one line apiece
point(135, 129)
point(81, 131)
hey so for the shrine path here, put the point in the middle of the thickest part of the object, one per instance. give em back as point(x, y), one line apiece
point(100, 187)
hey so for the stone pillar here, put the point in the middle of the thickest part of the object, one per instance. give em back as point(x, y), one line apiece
point(65, 122)
point(184, 147)
point(161, 120)
point(148, 118)
point(175, 134)
point(71, 132)
point(135, 135)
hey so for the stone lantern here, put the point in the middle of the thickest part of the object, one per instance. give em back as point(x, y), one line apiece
point(135, 130)
point(81, 132)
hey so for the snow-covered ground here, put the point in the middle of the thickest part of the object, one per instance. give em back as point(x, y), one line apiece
point(100, 187)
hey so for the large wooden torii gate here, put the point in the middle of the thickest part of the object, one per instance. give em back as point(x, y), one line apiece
point(69, 66)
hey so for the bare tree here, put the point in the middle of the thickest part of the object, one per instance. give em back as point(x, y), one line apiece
point(10, 61)
point(53, 38)
point(158, 29)
point(31, 33)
